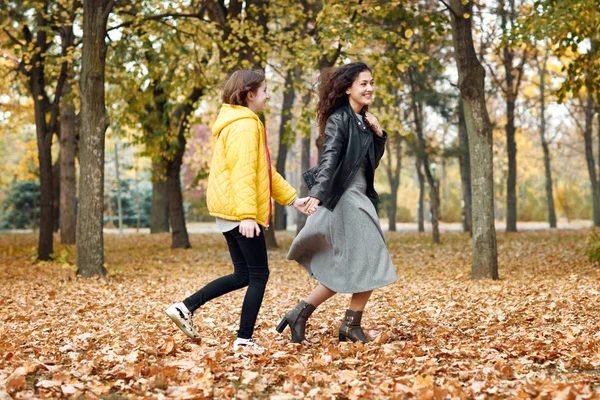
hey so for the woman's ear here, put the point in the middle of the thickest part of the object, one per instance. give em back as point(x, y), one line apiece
point(250, 96)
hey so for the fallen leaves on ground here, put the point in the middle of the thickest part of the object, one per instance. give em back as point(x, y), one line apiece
point(438, 335)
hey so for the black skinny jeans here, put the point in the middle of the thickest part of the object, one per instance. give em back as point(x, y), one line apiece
point(250, 268)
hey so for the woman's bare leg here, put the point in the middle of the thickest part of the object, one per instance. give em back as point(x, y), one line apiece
point(319, 295)
point(359, 300)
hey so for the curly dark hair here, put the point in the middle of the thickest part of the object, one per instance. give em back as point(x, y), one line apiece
point(239, 84)
point(333, 84)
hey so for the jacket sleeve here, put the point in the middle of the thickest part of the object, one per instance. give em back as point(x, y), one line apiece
point(379, 142)
point(335, 138)
point(283, 192)
point(242, 159)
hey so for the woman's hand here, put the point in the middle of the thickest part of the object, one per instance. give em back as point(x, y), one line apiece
point(249, 227)
point(300, 204)
point(311, 205)
point(374, 124)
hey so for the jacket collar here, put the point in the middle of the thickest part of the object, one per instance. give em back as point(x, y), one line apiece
point(362, 126)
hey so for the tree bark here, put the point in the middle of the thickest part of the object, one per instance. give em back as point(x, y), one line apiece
point(159, 210)
point(180, 238)
point(465, 170)
point(179, 234)
point(94, 121)
point(304, 165)
point(511, 93)
point(119, 197)
point(68, 217)
point(434, 193)
point(393, 174)
point(285, 140)
point(38, 33)
point(44, 143)
point(44, 129)
point(421, 204)
point(545, 146)
point(56, 194)
point(589, 155)
point(471, 81)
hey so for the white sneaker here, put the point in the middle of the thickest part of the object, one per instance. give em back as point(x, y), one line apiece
point(246, 344)
point(182, 317)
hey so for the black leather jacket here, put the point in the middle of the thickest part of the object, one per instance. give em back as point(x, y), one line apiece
point(348, 142)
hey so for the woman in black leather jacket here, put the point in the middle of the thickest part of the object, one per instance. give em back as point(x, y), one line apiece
point(342, 244)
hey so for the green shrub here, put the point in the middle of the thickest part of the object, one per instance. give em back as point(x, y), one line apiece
point(592, 247)
point(21, 206)
point(198, 211)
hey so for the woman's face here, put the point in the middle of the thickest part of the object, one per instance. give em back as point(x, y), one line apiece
point(362, 89)
point(257, 101)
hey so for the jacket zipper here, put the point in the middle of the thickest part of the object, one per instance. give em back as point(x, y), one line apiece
point(270, 179)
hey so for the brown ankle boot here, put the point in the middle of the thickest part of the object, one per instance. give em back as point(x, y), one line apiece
point(350, 328)
point(296, 319)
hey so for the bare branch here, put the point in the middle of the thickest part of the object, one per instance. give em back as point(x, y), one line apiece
point(159, 18)
point(449, 8)
point(521, 68)
point(108, 8)
point(495, 78)
point(14, 39)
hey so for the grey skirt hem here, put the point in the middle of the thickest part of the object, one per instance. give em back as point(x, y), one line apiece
point(351, 290)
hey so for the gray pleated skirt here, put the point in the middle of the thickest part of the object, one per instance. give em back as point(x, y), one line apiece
point(345, 249)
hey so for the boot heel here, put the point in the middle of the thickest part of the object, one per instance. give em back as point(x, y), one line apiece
point(343, 338)
point(282, 325)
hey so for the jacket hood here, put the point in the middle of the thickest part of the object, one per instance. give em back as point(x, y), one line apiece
point(230, 114)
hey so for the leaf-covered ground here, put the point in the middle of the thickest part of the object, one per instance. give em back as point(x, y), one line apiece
point(533, 334)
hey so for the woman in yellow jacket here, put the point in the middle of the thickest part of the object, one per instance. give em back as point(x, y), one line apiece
point(240, 187)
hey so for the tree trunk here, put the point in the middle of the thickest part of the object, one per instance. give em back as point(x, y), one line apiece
point(512, 78)
point(159, 210)
point(68, 217)
point(421, 205)
point(180, 238)
point(179, 234)
point(56, 194)
point(94, 121)
point(286, 138)
point(511, 183)
point(434, 195)
point(118, 178)
point(304, 165)
point(393, 208)
point(44, 143)
point(45, 240)
point(393, 175)
point(471, 80)
point(38, 32)
point(465, 170)
point(434, 192)
point(589, 156)
point(545, 147)
point(270, 238)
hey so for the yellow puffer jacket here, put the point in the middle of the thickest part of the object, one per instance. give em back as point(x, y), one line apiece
point(241, 180)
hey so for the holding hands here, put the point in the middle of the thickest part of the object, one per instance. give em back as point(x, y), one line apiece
point(306, 205)
point(311, 205)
